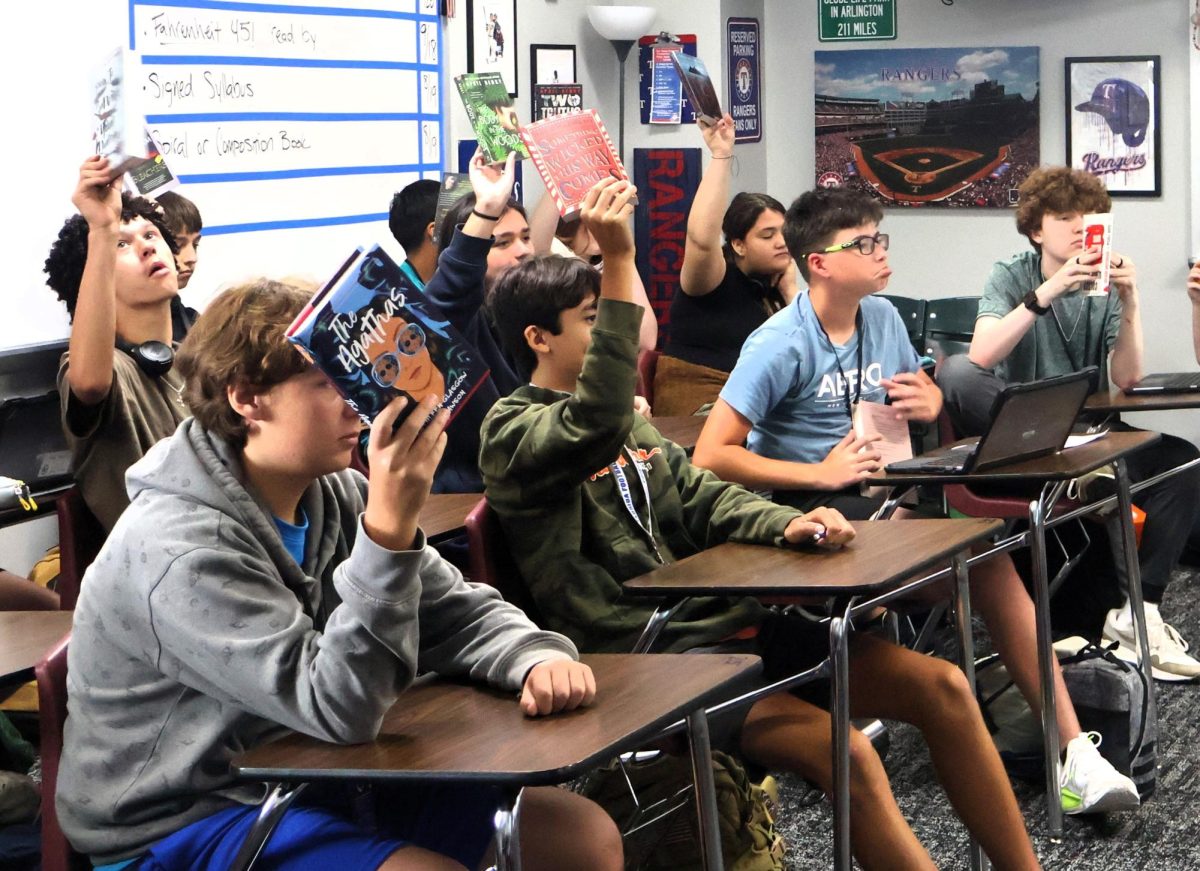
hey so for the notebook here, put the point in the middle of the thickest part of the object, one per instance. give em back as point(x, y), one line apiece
point(1028, 420)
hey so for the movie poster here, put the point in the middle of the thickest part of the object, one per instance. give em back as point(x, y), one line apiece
point(928, 127)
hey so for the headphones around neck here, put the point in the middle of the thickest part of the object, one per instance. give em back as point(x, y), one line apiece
point(154, 358)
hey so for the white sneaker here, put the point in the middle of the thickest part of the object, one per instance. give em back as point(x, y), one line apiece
point(1169, 659)
point(1090, 784)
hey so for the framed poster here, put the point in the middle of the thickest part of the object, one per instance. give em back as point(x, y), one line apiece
point(492, 39)
point(1113, 122)
point(745, 79)
point(550, 65)
point(928, 127)
point(1194, 62)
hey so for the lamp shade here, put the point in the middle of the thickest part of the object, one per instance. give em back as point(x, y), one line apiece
point(621, 22)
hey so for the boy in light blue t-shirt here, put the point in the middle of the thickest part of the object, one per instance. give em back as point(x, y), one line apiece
point(784, 423)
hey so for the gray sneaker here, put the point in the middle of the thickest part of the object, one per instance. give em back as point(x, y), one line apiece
point(1169, 659)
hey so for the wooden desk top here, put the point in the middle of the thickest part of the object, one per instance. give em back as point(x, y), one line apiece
point(25, 637)
point(444, 730)
point(445, 514)
point(1060, 466)
point(884, 553)
point(682, 430)
point(1117, 400)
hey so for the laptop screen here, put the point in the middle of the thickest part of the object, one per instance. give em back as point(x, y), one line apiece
point(1030, 420)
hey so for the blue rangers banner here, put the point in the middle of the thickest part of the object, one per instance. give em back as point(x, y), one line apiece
point(666, 180)
point(745, 82)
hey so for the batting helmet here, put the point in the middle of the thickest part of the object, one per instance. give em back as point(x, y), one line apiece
point(1124, 106)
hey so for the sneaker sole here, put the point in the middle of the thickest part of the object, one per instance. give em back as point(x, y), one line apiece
point(1114, 801)
point(1127, 654)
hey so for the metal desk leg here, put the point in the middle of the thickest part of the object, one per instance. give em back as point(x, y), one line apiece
point(966, 661)
point(270, 812)
point(839, 709)
point(706, 791)
point(1133, 581)
point(1041, 602)
point(508, 841)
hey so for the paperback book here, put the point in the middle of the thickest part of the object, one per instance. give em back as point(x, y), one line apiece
point(377, 337)
point(454, 187)
point(118, 125)
point(572, 153)
point(492, 115)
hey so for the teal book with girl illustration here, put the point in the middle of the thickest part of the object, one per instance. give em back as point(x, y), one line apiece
point(376, 336)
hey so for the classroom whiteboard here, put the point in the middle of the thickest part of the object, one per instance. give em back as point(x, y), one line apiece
point(290, 124)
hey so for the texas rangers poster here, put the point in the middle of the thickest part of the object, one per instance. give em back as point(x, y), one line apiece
point(928, 127)
point(1112, 126)
point(745, 83)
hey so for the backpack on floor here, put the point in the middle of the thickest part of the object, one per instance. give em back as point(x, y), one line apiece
point(1110, 697)
point(749, 841)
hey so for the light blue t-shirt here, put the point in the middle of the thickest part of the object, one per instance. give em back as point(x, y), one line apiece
point(787, 383)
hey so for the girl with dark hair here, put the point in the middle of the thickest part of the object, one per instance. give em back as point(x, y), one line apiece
point(725, 291)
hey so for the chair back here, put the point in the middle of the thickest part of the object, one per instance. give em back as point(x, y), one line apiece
point(80, 537)
point(647, 365)
point(949, 325)
point(912, 312)
point(492, 562)
point(51, 673)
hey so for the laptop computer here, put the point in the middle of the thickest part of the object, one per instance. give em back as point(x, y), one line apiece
point(1166, 382)
point(1028, 420)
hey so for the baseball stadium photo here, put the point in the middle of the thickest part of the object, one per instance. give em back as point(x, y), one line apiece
point(917, 127)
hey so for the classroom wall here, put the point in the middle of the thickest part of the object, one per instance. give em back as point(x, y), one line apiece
point(565, 22)
point(938, 253)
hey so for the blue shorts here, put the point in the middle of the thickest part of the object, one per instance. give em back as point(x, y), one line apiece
point(334, 830)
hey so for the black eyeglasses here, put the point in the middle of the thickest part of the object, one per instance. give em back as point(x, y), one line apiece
point(864, 244)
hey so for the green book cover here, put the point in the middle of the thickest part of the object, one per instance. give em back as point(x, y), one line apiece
point(492, 115)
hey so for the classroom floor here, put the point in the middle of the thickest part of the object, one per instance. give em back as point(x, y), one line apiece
point(1164, 834)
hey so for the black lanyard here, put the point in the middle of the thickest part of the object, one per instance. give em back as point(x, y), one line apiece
point(862, 336)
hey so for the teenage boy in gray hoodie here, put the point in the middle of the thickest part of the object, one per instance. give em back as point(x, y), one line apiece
point(254, 587)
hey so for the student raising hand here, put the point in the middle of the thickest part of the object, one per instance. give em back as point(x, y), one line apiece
point(557, 685)
point(402, 462)
point(718, 137)
point(493, 186)
point(606, 212)
point(97, 195)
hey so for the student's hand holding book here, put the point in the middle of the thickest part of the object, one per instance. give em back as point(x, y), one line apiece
point(824, 527)
point(402, 462)
point(97, 195)
point(493, 186)
point(557, 685)
point(719, 137)
point(1123, 277)
point(1084, 266)
point(606, 213)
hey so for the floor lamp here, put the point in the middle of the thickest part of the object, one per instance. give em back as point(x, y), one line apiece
point(622, 26)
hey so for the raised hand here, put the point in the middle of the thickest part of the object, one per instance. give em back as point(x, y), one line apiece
point(97, 194)
point(718, 137)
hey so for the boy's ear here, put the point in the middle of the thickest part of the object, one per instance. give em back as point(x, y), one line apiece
point(816, 265)
point(247, 402)
point(535, 337)
point(429, 232)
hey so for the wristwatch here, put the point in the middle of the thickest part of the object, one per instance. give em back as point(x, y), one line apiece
point(1031, 302)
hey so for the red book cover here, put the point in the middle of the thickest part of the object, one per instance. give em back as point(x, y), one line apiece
point(572, 153)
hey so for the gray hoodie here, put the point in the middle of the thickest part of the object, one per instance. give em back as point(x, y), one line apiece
point(192, 643)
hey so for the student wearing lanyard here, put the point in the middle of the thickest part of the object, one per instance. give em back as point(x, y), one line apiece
point(1034, 322)
point(784, 422)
